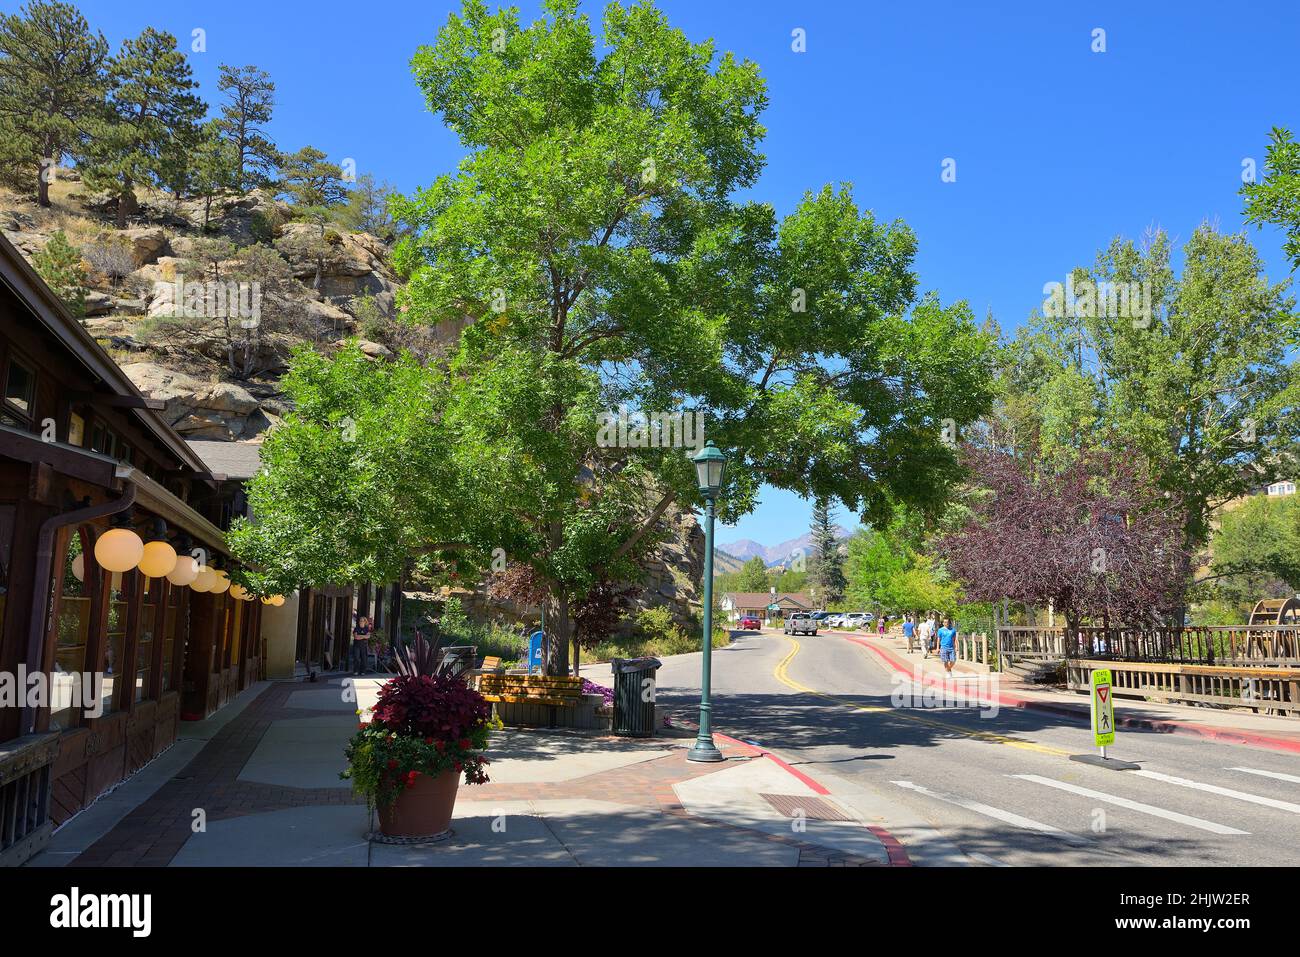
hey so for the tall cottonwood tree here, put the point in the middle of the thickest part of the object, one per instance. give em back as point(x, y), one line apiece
point(592, 238)
point(245, 115)
point(52, 85)
point(150, 121)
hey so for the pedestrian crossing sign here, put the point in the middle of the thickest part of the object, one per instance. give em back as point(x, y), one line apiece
point(1103, 708)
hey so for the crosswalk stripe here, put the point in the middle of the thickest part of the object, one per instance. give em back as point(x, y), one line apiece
point(1006, 817)
point(1224, 792)
point(1132, 805)
point(1268, 774)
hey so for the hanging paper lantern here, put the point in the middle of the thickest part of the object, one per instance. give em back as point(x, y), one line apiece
point(277, 601)
point(206, 579)
point(185, 571)
point(159, 559)
point(79, 567)
point(221, 583)
point(119, 550)
point(238, 591)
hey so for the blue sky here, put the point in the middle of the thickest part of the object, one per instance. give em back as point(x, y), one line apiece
point(1057, 148)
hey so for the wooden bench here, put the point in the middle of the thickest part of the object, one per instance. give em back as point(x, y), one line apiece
point(535, 690)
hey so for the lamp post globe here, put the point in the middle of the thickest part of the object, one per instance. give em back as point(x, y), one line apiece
point(710, 467)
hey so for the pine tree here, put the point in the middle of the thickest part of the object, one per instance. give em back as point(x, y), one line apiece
point(59, 264)
point(827, 564)
point(150, 123)
point(317, 188)
point(367, 208)
point(52, 85)
point(250, 99)
point(214, 169)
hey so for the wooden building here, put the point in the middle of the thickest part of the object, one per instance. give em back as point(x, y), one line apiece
point(82, 450)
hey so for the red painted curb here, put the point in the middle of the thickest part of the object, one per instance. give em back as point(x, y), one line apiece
point(811, 782)
point(1008, 700)
point(897, 853)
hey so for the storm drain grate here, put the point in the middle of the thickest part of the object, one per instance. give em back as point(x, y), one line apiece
point(816, 808)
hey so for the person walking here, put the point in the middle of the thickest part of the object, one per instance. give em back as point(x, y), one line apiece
point(948, 645)
point(361, 646)
point(909, 629)
point(925, 632)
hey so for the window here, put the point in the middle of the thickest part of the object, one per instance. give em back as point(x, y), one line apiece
point(20, 390)
point(72, 623)
point(150, 589)
point(115, 653)
point(76, 430)
point(102, 440)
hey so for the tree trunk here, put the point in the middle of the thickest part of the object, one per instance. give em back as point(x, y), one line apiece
point(559, 632)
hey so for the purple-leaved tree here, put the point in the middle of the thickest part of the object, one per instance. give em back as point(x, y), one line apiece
point(1095, 538)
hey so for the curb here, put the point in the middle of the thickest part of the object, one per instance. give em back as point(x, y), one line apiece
point(1007, 700)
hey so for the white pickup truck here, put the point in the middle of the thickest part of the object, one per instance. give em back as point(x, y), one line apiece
point(800, 623)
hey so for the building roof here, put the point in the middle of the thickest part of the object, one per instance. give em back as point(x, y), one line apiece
point(761, 599)
point(235, 460)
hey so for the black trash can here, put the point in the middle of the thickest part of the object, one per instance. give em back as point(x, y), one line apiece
point(634, 696)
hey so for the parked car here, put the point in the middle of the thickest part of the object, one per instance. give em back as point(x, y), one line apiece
point(857, 619)
point(800, 623)
point(751, 623)
point(833, 620)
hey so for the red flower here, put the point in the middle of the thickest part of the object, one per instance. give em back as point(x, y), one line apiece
point(428, 740)
point(459, 766)
point(392, 763)
point(442, 745)
point(464, 744)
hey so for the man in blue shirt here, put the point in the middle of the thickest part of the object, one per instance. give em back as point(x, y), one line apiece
point(909, 627)
point(948, 644)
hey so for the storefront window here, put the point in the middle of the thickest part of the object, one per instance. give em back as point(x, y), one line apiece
point(6, 545)
point(150, 590)
point(72, 621)
point(115, 653)
point(171, 621)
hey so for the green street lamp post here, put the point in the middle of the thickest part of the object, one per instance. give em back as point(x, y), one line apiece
point(710, 464)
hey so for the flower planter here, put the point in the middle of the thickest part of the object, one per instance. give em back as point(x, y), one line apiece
point(423, 810)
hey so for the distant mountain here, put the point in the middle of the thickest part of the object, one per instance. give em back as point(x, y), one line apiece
point(725, 563)
point(781, 554)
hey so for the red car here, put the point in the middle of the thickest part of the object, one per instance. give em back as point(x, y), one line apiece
point(750, 623)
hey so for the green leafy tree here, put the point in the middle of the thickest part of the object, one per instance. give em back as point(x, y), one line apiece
point(1202, 386)
point(592, 241)
point(826, 565)
point(245, 115)
point(52, 85)
point(150, 122)
point(1276, 198)
point(59, 264)
point(753, 576)
point(1255, 553)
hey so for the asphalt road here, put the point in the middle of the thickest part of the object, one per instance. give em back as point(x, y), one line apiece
point(962, 785)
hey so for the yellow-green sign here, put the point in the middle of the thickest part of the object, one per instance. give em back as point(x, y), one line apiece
point(1103, 708)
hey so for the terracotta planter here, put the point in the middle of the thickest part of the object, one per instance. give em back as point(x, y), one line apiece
point(423, 810)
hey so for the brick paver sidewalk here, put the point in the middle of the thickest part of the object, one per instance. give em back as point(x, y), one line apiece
point(154, 832)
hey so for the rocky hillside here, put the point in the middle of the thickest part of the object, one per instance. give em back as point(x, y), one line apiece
point(130, 279)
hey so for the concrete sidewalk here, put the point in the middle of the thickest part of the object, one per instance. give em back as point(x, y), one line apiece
point(1229, 726)
point(259, 785)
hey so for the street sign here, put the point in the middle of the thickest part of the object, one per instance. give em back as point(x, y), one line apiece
point(1103, 709)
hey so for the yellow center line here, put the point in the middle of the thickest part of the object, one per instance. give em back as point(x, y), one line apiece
point(782, 674)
